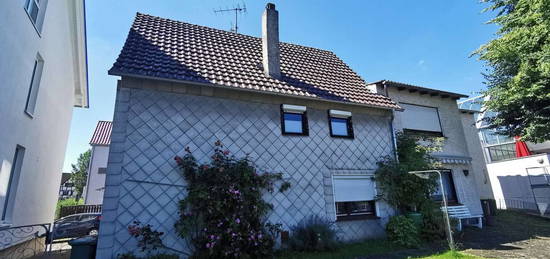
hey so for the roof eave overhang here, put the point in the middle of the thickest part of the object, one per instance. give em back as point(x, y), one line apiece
point(420, 90)
point(99, 145)
point(77, 26)
point(115, 73)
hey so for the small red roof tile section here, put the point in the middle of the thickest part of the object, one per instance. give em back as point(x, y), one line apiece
point(102, 134)
point(166, 49)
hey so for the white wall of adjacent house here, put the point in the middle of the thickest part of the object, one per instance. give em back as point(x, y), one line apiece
point(454, 143)
point(512, 185)
point(95, 186)
point(38, 128)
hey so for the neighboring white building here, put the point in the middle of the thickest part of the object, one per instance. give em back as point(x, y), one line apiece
point(516, 182)
point(431, 112)
point(95, 185)
point(43, 71)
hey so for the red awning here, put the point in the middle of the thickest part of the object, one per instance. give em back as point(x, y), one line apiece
point(521, 148)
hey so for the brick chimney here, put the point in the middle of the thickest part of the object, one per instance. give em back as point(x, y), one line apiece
point(270, 41)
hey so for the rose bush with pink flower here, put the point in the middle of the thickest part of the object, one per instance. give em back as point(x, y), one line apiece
point(224, 214)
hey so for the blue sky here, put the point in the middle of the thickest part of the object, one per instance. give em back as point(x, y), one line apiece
point(425, 43)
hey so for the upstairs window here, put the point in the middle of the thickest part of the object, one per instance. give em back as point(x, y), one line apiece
point(294, 120)
point(420, 120)
point(32, 96)
point(340, 124)
point(36, 9)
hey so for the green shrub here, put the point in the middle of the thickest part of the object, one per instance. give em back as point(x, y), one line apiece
point(433, 227)
point(400, 189)
point(402, 231)
point(313, 233)
point(224, 214)
point(66, 202)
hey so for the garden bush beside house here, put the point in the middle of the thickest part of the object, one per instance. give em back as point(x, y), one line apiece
point(409, 193)
point(223, 214)
point(403, 231)
point(313, 233)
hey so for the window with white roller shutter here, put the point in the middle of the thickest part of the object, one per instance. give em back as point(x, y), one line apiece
point(418, 118)
point(354, 197)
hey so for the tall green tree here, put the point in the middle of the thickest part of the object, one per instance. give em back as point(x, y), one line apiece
point(80, 172)
point(518, 74)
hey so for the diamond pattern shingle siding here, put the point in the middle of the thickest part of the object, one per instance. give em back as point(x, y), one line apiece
point(168, 49)
point(150, 127)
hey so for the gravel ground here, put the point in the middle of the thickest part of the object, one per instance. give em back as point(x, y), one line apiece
point(514, 235)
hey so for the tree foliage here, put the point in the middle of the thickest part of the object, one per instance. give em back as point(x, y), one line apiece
point(518, 77)
point(80, 172)
point(400, 189)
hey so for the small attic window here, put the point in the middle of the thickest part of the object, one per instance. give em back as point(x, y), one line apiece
point(294, 120)
point(340, 124)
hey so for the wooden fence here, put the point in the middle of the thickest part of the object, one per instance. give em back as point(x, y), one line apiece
point(70, 210)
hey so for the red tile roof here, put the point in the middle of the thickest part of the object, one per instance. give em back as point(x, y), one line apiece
point(102, 133)
point(167, 49)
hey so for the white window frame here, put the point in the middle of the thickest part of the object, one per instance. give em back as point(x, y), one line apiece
point(365, 176)
point(34, 87)
point(13, 183)
point(37, 22)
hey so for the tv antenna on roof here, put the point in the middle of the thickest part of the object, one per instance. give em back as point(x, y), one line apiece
point(238, 10)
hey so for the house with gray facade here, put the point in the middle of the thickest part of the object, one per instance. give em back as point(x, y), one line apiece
point(293, 109)
point(432, 112)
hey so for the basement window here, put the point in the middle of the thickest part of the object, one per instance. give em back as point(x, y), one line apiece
point(294, 120)
point(340, 124)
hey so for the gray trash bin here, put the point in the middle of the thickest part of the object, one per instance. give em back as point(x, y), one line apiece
point(83, 247)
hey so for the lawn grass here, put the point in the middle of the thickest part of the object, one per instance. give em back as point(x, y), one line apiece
point(372, 247)
point(450, 255)
point(369, 247)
